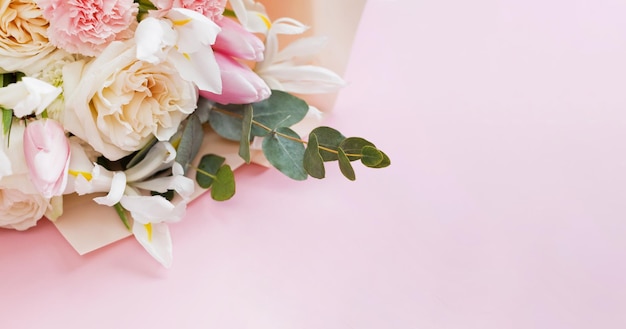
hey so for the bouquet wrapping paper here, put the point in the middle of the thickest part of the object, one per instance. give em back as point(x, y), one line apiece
point(88, 226)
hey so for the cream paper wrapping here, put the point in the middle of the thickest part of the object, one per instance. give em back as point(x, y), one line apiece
point(88, 226)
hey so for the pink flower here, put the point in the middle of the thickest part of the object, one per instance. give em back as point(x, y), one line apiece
point(236, 41)
point(87, 26)
point(47, 154)
point(240, 85)
point(212, 9)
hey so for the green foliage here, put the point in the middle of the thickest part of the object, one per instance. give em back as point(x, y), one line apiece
point(279, 110)
point(328, 138)
point(224, 184)
point(190, 142)
point(284, 150)
point(213, 173)
point(246, 128)
point(7, 121)
point(344, 165)
point(313, 161)
point(207, 169)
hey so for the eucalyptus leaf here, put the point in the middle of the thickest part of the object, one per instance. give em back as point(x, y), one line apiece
point(313, 161)
point(371, 156)
point(328, 138)
point(203, 109)
point(281, 109)
point(345, 166)
point(386, 162)
point(190, 142)
point(352, 147)
point(226, 121)
point(285, 154)
point(224, 185)
point(246, 126)
point(207, 169)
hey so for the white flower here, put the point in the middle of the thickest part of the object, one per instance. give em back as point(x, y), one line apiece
point(252, 15)
point(150, 213)
point(28, 96)
point(117, 103)
point(184, 37)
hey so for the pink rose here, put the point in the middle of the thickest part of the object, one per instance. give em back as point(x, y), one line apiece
point(212, 9)
point(240, 85)
point(47, 154)
point(86, 27)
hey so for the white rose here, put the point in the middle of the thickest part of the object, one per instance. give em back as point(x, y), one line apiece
point(19, 210)
point(24, 44)
point(117, 103)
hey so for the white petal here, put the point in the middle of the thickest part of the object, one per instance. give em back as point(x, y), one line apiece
point(158, 158)
point(156, 239)
point(195, 31)
point(118, 185)
point(184, 186)
point(153, 209)
point(302, 50)
point(200, 68)
point(305, 79)
point(152, 36)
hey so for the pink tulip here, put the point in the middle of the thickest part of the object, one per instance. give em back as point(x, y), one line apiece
point(237, 42)
point(240, 85)
point(47, 154)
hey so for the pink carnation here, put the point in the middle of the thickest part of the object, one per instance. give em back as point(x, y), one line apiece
point(87, 26)
point(212, 9)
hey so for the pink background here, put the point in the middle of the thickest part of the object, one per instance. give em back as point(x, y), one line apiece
point(504, 206)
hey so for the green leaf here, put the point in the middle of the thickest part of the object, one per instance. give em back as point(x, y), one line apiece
point(281, 109)
point(345, 166)
point(353, 146)
point(313, 161)
point(204, 109)
point(190, 142)
point(371, 156)
point(246, 126)
point(7, 121)
point(226, 121)
point(285, 154)
point(385, 162)
point(139, 155)
point(121, 212)
point(329, 138)
point(207, 169)
point(224, 184)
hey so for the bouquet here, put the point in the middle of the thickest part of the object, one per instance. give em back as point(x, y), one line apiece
point(116, 99)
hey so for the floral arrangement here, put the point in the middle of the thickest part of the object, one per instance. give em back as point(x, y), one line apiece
point(113, 99)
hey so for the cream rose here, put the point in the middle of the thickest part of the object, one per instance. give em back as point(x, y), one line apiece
point(19, 210)
point(117, 103)
point(24, 43)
